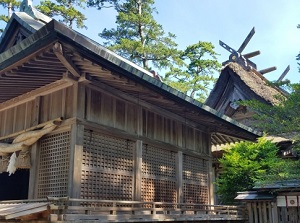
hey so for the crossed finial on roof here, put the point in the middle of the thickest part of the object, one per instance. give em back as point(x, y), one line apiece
point(243, 60)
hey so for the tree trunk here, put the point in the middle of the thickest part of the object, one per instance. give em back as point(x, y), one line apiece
point(9, 10)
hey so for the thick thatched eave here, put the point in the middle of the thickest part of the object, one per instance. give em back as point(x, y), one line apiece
point(257, 83)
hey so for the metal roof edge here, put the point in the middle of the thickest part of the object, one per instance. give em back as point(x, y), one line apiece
point(116, 60)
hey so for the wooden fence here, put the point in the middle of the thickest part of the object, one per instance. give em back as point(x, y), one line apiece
point(78, 210)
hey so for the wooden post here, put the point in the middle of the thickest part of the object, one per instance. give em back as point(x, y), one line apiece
point(274, 212)
point(76, 152)
point(179, 179)
point(210, 172)
point(33, 174)
point(137, 170)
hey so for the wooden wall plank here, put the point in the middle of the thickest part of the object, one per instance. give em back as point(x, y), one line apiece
point(131, 117)
point(69, 112)
point(106, 116)
point(120, 114)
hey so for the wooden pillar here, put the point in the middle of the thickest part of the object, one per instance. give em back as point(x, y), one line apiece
point(137, 170)
point(210, 171)
point(76, 152)
point(34, 155)
point(179, 178)
point(76, 144)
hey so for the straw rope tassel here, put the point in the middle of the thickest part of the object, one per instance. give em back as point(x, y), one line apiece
point(4, 163)
point(23, 160)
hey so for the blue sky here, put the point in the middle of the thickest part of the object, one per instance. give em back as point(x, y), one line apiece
point(275, 22)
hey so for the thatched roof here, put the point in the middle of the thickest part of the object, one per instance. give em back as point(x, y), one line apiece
point(236, 83)
point(257, 83)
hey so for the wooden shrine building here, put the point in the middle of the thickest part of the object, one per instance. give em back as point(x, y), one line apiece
point(91, 136)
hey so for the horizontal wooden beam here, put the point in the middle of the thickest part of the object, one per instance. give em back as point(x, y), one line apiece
point(55, 86)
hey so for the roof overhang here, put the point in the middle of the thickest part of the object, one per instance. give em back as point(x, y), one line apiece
point(55, 51)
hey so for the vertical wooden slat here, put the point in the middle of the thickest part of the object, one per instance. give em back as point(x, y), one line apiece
point(69, 111)
point(270, 220)
point(140, 122)
point(120, 114)
point(250, 212)
point(255, 212)
point(274, 212)
point(137, 170)
point(80, 102)
point(179, 177)
point(264, 211)
point(260, 217)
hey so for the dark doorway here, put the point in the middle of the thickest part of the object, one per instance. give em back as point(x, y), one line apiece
point(15, 186)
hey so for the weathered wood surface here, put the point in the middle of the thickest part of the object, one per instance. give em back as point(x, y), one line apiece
point(78, 210)
point(132, 211)
point(16, 210)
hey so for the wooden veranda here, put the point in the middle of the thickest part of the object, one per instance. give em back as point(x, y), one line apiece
point(79, 210)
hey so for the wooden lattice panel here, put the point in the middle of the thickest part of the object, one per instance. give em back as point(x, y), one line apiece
point(158, 175)
point(155, 190)
point(107, 167)
point(54, 164)
point(195, 180)
point(158, 162)
point(106, 186)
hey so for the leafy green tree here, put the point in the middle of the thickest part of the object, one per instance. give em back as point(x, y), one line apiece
point(196, 73)
point(66, 10)
point(139, 38)
point(281, 118)
point(246, 163)
point(10, 5)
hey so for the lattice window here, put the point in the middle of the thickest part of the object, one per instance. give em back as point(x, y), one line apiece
point(54, 165)
point(159, 175)
point(155, 190)
point(158, 162)
point(107, 167)
point(195, 180)
point(105, 186)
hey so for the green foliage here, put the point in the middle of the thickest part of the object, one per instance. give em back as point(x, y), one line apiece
point(246, 163)
point(103, 3)
point(10, 5)
point(139, 38)
point(66, 9)
point(283, 117)
point(199, 63)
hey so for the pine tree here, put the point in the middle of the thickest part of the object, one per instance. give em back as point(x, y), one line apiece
point(66, 10)
point(139, 37)
point(10, 5)
point(197, 73)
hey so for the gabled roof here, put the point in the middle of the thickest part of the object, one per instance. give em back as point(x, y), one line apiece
point(54, 51)
point(235, 80)
point(20, 21)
